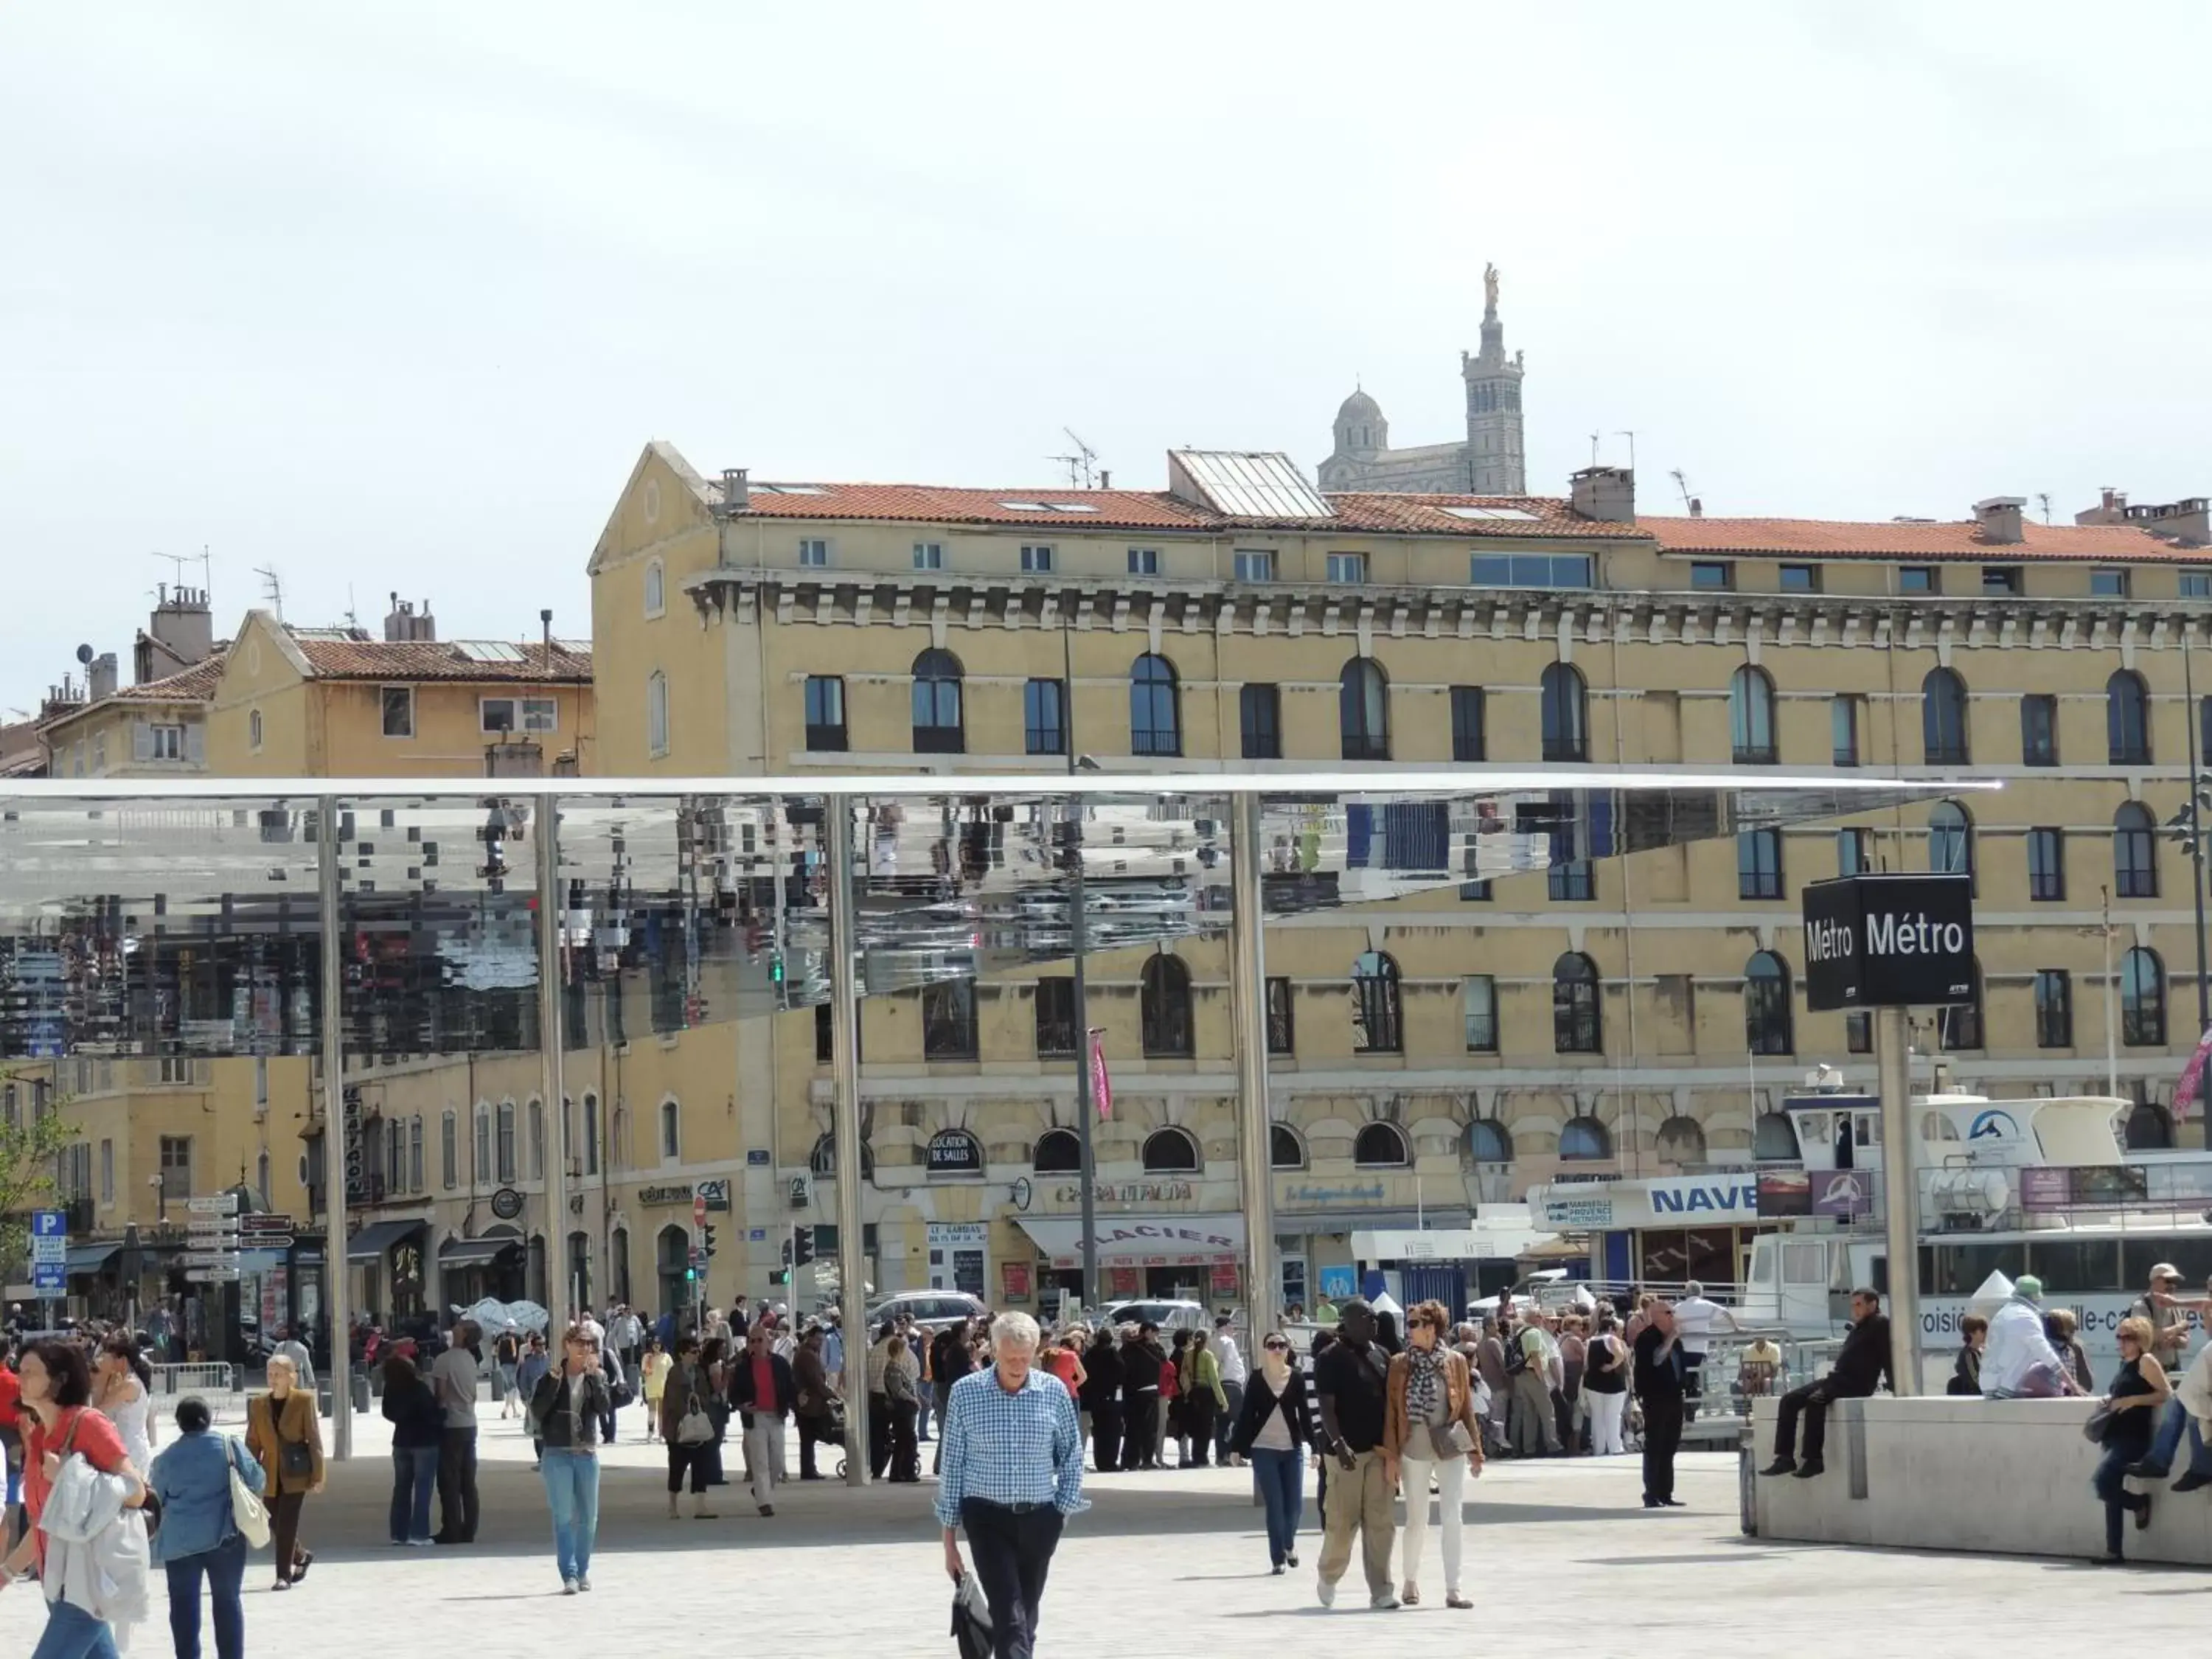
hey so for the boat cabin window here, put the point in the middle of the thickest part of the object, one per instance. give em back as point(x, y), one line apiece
point(1934, 1126)
point(1805, 1263)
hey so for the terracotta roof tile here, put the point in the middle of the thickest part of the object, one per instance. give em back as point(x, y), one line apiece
point(1959, 539)
point(1145, 510)
point(193, 685)
point(439, 660)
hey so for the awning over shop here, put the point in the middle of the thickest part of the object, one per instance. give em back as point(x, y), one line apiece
point(476, 1252)
point(370, 1243)
point(1157, 1241)
point(91, 1258)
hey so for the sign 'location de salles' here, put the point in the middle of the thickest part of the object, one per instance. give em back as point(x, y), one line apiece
point(1889, 942)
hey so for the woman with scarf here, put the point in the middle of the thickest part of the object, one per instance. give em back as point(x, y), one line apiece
point(1273, 1428)
point(1429, 1426)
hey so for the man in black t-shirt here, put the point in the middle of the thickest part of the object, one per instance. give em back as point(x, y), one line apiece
point(1350, 1381)
point(1659, 1389)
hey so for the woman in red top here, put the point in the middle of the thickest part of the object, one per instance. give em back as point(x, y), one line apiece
point(1061, 1358)
point(57, 1383)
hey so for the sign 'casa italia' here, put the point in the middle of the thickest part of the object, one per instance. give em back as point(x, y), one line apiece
point(1888, 942)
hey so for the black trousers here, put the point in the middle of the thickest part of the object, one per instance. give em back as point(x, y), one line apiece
point(456, 1486)
point(1012, 1554)
point(879, 1435)
point(813, 1431)
point(1694, 1384)
point(1140, 1431)
point(1813, 1400)
point(1106, 1437)
point(906, 1455)
point(1198, 1414)
point(696, 1458)
point(1662, 1438)
point(285, 1531)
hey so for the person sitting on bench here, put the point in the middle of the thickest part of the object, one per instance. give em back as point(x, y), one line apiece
point(1865, 1360)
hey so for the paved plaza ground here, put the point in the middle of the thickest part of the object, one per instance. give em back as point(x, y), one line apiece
point(1560, 1551)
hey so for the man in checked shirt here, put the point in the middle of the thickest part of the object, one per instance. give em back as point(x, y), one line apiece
point(1012, 1474)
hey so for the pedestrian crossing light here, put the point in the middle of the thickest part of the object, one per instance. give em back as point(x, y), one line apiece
point(802, 1245)
point(775, 969)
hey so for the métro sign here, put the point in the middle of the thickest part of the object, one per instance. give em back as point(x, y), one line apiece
point(1889, 942)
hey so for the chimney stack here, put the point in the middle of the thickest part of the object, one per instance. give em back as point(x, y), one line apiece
point(1607, 494)
point(737, 495)
point(2112, 508)
point(2189, 522)
point(1999, 518)
point(404, 623)
point(1696, 506)
point(100, 676)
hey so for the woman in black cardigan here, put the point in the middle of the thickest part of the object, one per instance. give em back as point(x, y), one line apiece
point(1275, 1429)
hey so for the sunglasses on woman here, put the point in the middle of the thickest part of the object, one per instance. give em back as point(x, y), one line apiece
point(1277, 1347)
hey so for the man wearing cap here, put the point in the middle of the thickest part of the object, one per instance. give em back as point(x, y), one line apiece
point(2019, 1362)
point(2168, 1315)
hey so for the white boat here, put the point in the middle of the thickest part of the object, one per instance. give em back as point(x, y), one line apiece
point(2040, 1185)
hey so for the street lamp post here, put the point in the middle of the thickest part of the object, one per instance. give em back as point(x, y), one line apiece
point(1078, 928)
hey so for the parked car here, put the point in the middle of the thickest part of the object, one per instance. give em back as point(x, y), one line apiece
point(931, 1310)
point(1169, 1316)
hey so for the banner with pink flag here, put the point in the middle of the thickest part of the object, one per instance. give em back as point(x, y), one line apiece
point(2192, 1077)
point(1102, 1087)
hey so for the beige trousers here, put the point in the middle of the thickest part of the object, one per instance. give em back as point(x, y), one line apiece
point(1359, 1500)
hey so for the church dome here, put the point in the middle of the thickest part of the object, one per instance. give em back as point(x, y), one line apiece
point(1358, 407)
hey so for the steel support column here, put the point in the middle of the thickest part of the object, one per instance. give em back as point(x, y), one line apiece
point(1248, 987)
point(845, 1134)
point(336, 1242)
point(551, 903)
point(1900, 1195)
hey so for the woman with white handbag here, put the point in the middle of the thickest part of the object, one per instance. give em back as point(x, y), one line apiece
point(689, 1427)
point(565, 1410)
point(59, 1426)
point(211, 1496)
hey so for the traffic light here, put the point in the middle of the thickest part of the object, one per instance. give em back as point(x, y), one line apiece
point(706, 1238)
point(802, 1245)
point(782, 1275)
point(690, 1275)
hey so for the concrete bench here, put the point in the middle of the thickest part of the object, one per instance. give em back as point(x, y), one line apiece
point(2008, 1477)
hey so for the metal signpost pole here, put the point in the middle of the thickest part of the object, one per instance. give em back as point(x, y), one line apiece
point(1079, 939)
point(335, 1240)
point(1900, 1195)
point(845, 1135)
point(1247, 984)
point(551, 1082)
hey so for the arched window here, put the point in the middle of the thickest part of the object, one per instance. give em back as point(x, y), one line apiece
point(449, 1150)
point(1950, 840)
point(2127, 719)
point(1943, 719)
point(253, 729)
point(1363, 705)
point(656, 588)
point(1772, 1139)
point(591, 1134)
point(1960, 1026)
point(1488, 1142)
point(1750, 717)
point(2134, 852)
point(1057, 1151)
point(948, 1020)
point(1766, 1005)
point(1377, 1027)
point(671, 1132)
point(1381, 1147)
point(1164, 1000)
point(2143, 1000)
point(2149, 1128)
point(1285, 1150)
point(1566, 714)
point(823, 1160)
point(1681, 1141)
point(939, 728)
point(1170, 1151)
point(480, 1171)
point(1583, 1140)
point(506, 1154)
point(537, 1141)
point(1155, 707)
point(1575, 1017)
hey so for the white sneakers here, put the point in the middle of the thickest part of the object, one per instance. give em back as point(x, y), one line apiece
point(1327, 1591)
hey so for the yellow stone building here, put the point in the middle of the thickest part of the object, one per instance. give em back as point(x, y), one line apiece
point(1637, 1014)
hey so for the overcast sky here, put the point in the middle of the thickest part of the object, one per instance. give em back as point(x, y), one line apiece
point(389, 297)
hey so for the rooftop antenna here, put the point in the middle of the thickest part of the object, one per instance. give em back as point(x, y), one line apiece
point(2044, 495)
point(1080, 466)
point(1593, 449)
point(1631, 436)
point(272, 588)
point(352, 619)
point(1682, 484)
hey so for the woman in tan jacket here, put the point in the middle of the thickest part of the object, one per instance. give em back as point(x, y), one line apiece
point(284, 1432)
point(1429, 1426)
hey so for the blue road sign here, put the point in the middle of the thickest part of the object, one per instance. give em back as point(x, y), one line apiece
point(49, 1277)
point(49, 1224)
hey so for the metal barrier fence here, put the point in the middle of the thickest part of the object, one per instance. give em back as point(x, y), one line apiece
point(177, 1381)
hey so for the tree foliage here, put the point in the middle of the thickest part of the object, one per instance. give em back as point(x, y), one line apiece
point(28, 1146)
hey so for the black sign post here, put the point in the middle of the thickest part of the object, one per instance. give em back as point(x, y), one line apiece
point(1887, 944)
